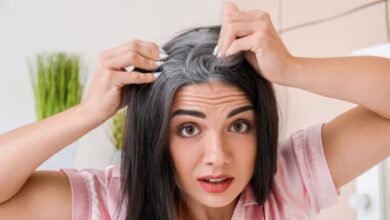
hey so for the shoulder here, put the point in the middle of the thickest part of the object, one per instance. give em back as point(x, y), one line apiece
point(95, 193)
point(310, 137)
point(303, 181)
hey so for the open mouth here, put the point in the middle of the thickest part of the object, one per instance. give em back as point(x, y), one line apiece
point(215, 185)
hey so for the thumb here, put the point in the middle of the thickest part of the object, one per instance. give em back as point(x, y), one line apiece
point(230, 7)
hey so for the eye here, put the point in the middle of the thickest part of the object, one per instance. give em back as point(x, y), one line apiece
point(188, 130)
point(241, 126)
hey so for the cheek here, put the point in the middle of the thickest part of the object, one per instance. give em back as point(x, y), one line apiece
point(185, 158)
point(245, 154)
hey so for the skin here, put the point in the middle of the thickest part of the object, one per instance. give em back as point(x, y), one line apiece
point(353, 142)
point(21, 185)
point(212, 145)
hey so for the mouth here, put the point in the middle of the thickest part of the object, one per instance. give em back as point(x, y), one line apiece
point(215, 184)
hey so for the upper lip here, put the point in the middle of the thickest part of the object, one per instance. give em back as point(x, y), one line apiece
point(220, 176)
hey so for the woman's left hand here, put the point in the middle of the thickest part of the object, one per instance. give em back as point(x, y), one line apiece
point(253, 32)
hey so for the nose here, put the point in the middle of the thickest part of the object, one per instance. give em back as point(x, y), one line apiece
point(216, 152)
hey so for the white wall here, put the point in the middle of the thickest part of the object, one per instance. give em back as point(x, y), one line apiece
point(86, 28)
point(337, 37)
point(89, 26)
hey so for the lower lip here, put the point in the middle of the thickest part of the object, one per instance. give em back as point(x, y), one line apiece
point(216, 187)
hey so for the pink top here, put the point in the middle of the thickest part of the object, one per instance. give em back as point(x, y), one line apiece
point(303, 185)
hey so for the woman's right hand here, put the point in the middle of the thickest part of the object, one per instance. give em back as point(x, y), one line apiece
point(104, 95)
point(34, 143)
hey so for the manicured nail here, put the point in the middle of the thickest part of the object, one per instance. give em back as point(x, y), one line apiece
point(215, 52)
point(157, 74)
point(159, 63)
point(129, 68)
point(163, 54)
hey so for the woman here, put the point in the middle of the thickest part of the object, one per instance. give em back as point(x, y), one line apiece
point(201, 140)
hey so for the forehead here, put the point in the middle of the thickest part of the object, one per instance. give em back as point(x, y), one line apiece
point(209, 94)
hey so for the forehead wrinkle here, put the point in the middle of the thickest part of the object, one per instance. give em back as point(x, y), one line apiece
point(210, 107)
point(212, 93)
point(211, 97)
point(213, 100)
point(209, 89)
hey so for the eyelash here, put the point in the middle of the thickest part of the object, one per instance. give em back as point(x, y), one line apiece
point(184, 126)
point(246, 123)
point(187, 125)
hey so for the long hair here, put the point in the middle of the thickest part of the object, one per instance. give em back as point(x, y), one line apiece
point(148, 176)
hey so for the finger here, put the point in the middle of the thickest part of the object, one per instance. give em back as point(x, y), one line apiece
point(236, 30)
point(229, 8)
point(124, 78)
point(147, 49)
point(133, 45)
point(132, 58)
point(247, 15)
point(246, 44)
point(243, 44)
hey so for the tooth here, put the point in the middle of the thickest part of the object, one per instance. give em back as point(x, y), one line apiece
point(216, 180)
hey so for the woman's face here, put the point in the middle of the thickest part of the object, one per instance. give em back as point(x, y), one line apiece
point(212, 142)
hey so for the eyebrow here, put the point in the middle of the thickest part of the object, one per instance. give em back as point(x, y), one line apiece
point(239, 110)
point(199, 114)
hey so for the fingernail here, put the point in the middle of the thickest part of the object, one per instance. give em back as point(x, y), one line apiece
point(163, 56)
point(219, 55)
point(157, 74)
point(159, 63)
point(215, 52)
point(129, 68)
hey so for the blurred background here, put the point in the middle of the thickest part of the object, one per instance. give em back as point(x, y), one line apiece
point(314, 28)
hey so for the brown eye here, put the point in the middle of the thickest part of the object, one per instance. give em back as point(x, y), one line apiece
point(240, 126)
point(188, 130)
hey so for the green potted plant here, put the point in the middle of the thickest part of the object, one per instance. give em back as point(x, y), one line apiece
point(56, 83)
point(57, 86)
point(118, 122)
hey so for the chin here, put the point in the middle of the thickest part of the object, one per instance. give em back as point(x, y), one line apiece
point(217, 201)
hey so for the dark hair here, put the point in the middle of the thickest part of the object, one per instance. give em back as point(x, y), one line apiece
point(147, 171)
